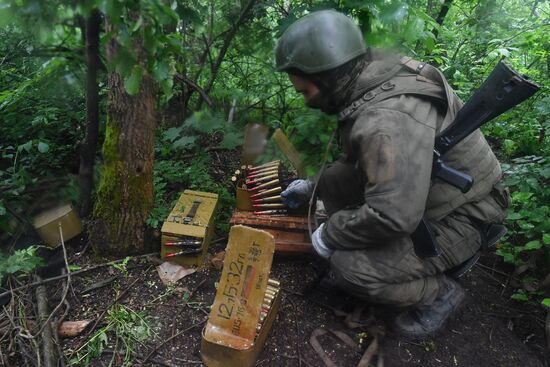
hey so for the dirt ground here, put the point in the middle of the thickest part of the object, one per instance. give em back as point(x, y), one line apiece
point(492, 330)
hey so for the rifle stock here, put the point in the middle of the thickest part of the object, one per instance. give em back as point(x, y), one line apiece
point(502, 90)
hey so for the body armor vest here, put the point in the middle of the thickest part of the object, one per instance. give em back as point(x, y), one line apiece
point(473, 156)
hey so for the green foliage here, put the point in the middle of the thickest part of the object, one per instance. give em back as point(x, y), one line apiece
point(527, 221)
point(206, 122)
point(310, 133)
point(122, 266)
point(21, 261)
point(173, 174)
point(126, 329)
point(167, 173)
point(40, 108)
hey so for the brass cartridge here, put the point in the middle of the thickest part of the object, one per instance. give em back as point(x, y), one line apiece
point(256, 180)
point(191, 251)
point(267, 185)
point(270, 291)
point(275, 190)
point(269, 199)
point(184, 243)
point(263, 172)
point(268, 297)
point(272, 163)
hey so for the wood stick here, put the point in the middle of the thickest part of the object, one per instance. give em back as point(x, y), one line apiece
point(47, 337)
point(73, 273)
point(100, 317)
point(170, 338)
point(70, 329)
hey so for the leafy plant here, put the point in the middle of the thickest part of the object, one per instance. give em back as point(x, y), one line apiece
point(21, 261)
point(122, 266)
point(527, 221)
point(189, 133)
point(126, 329)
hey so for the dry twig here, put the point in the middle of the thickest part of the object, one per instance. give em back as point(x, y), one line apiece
point(100, 317)
point(169, 339)
point(74, 273)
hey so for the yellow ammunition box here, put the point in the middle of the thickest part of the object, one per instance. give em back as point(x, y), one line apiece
point(190, 221)
point(231, 337)
point(47, 224)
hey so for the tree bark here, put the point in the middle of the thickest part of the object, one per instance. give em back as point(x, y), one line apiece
point(125, 192)
point(89, 146)
point(442, 14)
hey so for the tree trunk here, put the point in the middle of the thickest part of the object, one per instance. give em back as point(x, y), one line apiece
point(88, 148)
point(125, 192)
point(442, 14)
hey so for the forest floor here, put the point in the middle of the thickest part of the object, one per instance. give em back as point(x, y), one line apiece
point(492, 329)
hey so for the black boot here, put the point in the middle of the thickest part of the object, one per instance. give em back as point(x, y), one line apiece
point(426, 321)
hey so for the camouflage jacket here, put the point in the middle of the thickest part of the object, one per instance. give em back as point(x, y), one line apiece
point(388, 132)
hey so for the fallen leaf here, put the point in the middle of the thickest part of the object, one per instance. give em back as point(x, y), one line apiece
point(181, 291)
point(170, 273)
point(217, 260)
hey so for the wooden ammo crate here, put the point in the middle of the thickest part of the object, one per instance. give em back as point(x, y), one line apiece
point(192, 219)
point(290, 231)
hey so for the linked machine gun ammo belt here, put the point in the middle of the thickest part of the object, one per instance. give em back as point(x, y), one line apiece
point(263, 185)
point(501, 91)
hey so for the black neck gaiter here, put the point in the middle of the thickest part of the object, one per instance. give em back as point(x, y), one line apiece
point(336, 85)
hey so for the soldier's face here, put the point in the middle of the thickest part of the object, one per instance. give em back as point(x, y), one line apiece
point(305, 87)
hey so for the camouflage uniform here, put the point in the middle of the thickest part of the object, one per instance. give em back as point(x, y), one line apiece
point(378, 192)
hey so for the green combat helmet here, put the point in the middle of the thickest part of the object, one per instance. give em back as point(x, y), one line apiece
point(320, 41)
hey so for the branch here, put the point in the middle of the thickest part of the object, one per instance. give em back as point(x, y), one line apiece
point(66, 52)
point(100, 317)
point(192, 84)
point(226, 42)
point(172, 337)
point(74, 273)
point(462, 43)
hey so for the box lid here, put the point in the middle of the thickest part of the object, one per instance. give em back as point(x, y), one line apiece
point(51, 215)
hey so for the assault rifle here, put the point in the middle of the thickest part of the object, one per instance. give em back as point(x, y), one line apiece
point(502, 90)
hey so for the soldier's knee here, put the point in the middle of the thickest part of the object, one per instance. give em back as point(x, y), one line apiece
point(357, 281)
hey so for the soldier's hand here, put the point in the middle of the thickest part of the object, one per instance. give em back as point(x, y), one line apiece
point(298, 192)
point(319, 245)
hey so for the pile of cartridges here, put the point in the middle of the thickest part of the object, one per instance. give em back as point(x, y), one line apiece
point(186, 244)
point(264, 184)
point(271, 293)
